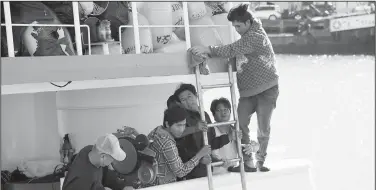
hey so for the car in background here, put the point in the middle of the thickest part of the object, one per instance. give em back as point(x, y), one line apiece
point(270, 12)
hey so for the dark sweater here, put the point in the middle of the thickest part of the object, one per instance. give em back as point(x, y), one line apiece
point(83, 175)
point(255, 60)
point(189, 145)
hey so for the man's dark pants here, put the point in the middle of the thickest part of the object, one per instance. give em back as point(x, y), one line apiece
point(263, 104)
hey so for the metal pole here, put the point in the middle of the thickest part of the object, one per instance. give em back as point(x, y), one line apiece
point(136, 31)
point(235, 114)
point(77, 29)
point(186, 25)
point(8, 27)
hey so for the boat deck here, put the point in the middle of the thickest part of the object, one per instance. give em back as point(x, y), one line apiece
point(291, 174)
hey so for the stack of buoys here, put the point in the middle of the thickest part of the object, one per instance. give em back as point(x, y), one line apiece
point(127, 37)
point(176, 44)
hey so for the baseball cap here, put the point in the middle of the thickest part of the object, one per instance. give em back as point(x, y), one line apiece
point(109, 144)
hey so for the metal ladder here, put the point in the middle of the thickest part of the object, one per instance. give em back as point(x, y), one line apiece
point(202, 112)
point(235, 121)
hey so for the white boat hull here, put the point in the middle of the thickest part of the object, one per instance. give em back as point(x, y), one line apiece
point(288, 174)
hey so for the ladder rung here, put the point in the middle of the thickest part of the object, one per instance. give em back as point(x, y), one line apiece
point(216, 86)
point(221, 123)
point(221, 162)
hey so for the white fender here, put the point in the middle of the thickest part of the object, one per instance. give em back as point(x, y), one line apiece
point(30, 42)
point(174, 38)
point(196, 10)
point(224, 32)
point(159, 13)
point(179, 46)
point(127, 37)
point(113, 49)
point(180, 33)
point(204, 36)
point(86, 7)
point(177, 14)
point(214, 8)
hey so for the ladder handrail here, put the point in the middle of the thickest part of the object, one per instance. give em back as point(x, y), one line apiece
point(202, 114)
point(235, 121)
point(235, 114)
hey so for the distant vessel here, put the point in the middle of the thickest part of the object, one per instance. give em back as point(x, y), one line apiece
point(335, 34)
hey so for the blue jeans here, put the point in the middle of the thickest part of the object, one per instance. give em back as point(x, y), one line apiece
point(263, 104)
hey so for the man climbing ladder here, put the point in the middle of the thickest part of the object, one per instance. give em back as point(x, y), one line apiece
point(257, 78)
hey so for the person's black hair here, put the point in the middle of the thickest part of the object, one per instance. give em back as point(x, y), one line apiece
point(183, 87)
point(171, 100)
point(173, 115)
point(216, 102)
point(240, 14)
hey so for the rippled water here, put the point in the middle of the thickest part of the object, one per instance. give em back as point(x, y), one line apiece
point(325, 112)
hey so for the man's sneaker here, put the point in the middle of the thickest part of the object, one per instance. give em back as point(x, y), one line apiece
point(260, 167)
point(246, 169)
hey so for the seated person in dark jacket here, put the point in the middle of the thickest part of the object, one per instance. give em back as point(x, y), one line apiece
point(87, 170)
point(189, 145)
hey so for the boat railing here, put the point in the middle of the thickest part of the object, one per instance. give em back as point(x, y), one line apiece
point(55, 25)
point(77, 26)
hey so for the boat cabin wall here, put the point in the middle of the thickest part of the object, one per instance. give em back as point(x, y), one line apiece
point(33, 124)
point(29, 128)
point(87, 114)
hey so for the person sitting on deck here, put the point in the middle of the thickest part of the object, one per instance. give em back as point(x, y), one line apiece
point(221, 110)
point(170, 165)
point(173, 101)
point(89, 169)
point(189, 145)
